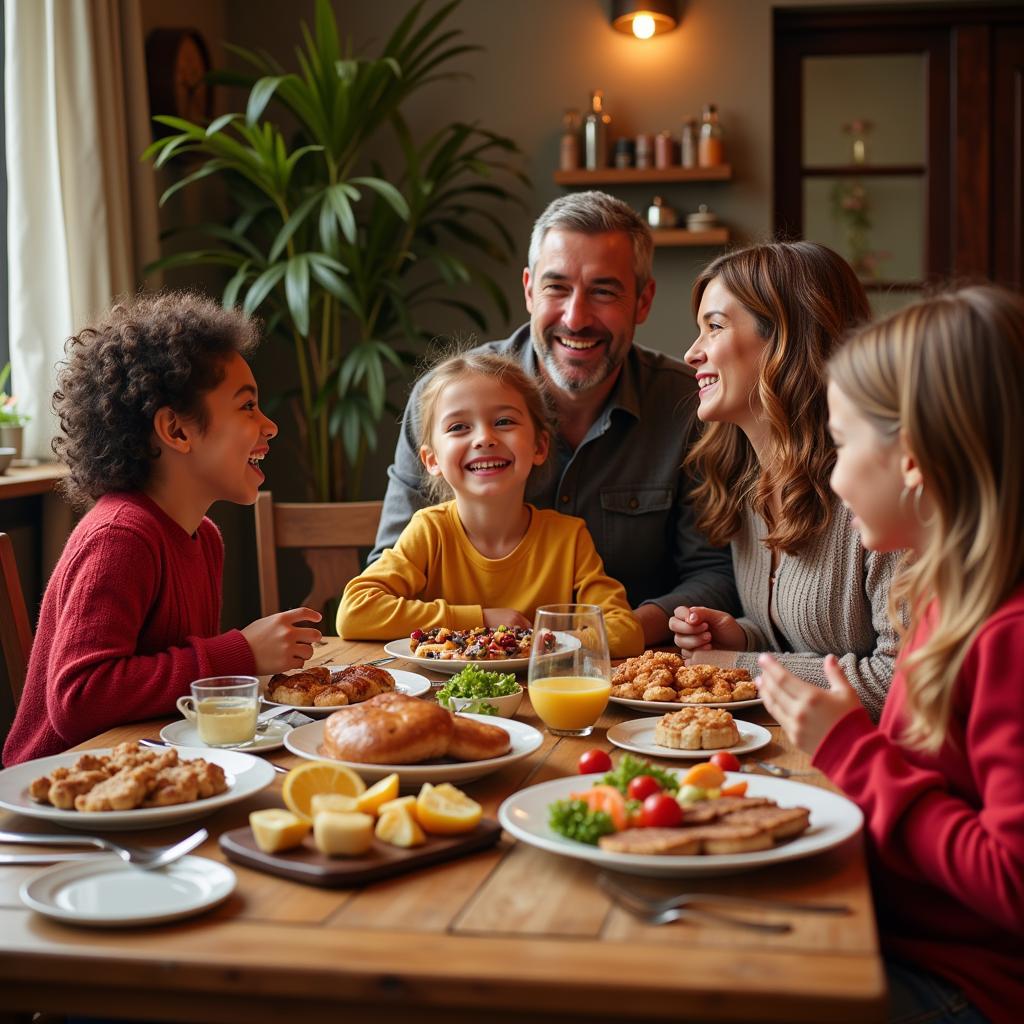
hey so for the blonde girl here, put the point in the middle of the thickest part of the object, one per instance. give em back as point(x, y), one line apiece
point(927, 411)
point(484, 558)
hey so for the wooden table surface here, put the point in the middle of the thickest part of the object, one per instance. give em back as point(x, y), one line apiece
point(506, 935)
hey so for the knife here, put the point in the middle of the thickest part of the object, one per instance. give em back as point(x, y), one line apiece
point(48, 858)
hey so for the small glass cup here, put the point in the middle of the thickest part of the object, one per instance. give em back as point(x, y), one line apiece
point(224, 709)
point(570, 678)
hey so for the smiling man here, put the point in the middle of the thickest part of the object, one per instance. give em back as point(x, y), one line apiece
point(625, 413)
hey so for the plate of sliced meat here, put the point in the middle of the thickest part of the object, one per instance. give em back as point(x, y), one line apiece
point(325, 688)
point(778, 820)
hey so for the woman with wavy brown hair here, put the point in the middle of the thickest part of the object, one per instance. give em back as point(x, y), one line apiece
point(770, 316)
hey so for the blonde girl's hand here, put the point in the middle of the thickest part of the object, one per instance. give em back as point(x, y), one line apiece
point(505, 617)
point(278, 642)
point(699, 629)
point(805, 712)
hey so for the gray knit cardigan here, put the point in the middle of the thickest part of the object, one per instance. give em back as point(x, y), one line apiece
point(830, 598)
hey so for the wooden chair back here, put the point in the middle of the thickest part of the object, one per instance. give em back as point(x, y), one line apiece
point(15, 630)
point(329, 536)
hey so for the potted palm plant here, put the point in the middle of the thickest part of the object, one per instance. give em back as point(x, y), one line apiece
point(338, 254)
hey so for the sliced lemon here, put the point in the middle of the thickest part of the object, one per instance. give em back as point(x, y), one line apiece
point(332, 802)
point(301, 783)
point(399, 828)
point(445, 810)
point(379, 793)
point(403, 803)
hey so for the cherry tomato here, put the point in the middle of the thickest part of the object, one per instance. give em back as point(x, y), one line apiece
point(662, 811)
point(726, 761)
point(642, 787)
point(594, 761)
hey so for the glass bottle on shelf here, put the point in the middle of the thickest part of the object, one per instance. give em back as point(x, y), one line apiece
point(569, 148)
point(710, 151)
point(595, 133)
point(688, 143)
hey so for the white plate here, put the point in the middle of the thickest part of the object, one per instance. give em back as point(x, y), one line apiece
point(449, 666)
point(833, 820)
point(106, 892)
point(245, 775)
point(638, 735)
point(306, 741)
point(412, 684)
point(184, 733)
point(659, 707)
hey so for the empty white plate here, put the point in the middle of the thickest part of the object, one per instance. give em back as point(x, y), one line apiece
point(184, 733)
point(638, 735)
point(107, 893)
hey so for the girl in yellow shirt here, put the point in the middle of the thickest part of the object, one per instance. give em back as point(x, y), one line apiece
point(485, 558)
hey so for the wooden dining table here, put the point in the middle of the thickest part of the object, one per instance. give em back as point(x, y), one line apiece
point(513, 933)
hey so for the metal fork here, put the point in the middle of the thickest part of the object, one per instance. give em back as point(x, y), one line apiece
point(655, 905)
point(774, 769)
point(148, 858)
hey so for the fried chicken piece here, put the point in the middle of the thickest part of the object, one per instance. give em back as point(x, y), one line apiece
point(64, 792)
point(631, 691)
point(94, 763)
point(744, 691)
point(121, 792)
point(210, 778)
point(39, 789)
point(179, 785)
point(659, 693)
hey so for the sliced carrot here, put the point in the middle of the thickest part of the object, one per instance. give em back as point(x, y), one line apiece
point(705, 776)
point(607, 799)
point(736, 789)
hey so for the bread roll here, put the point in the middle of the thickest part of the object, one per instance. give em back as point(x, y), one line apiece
point(390, 728)
point(477, 741)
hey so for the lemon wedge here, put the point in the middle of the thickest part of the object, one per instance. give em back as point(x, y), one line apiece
point(445, 810)
point(379, 793)
point(399, 828)
point(403, 803)
point(301, 783)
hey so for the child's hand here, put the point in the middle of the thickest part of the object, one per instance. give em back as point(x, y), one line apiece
point(505, 617)
point(279, 643)
point(805, 712)
point(700, 629)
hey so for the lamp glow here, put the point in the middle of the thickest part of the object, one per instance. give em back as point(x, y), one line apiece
point(643, 26)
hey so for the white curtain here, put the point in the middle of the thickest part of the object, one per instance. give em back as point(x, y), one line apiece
point(82, 214)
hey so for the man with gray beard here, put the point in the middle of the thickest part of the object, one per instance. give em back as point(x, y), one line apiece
point(625, 414)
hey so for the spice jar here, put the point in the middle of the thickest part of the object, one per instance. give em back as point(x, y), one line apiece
point(660, 214)
point(569, 147)
point(664, 150)
point(688, 143)
point(644, 151)
point(625, 150)
point(710, 151)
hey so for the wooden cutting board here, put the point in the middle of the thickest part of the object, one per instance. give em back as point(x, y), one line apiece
point(307, 864)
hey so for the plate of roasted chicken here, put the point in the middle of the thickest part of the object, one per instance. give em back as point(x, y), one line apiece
point(131, 787)
point(324, 689)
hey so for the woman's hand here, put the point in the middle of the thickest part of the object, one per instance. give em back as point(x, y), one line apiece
point(700, 629)
point(805, 712)
point(278, 642)
point(505, 617)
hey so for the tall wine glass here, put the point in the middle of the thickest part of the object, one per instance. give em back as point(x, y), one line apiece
point(570, 671)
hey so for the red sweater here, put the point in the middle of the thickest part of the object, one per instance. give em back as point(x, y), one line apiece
point(946, 830)
point(131, 616)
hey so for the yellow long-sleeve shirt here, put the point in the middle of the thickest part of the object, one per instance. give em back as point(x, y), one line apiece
point(434, 576)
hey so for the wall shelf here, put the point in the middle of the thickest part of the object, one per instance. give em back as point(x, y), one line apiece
point(680, 236)
point(644, 176)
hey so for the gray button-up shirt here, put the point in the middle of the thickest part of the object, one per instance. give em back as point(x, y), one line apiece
point(624, 480)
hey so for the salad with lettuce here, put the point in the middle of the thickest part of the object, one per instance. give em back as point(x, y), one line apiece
point(478, 685)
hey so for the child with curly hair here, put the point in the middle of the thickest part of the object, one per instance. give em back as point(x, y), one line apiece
point(159, 419)
point(487, 558)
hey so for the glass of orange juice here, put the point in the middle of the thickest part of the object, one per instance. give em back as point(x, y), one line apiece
point(570, 671)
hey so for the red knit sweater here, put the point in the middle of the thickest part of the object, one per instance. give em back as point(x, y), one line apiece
point(131, 616)
point(946, 830)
